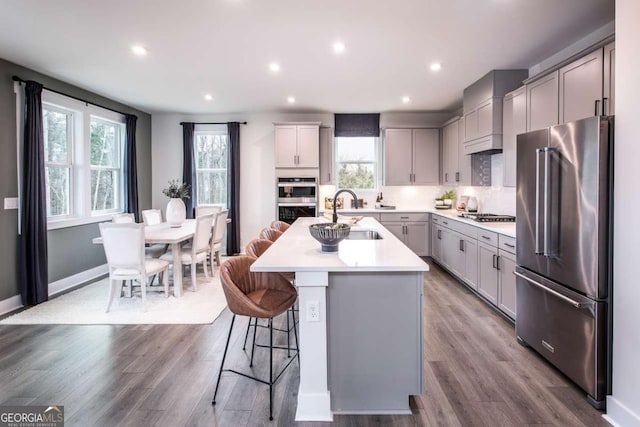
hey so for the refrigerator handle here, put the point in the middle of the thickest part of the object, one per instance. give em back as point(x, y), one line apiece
point(574, 303)
point(537, 224)
point(547, 179)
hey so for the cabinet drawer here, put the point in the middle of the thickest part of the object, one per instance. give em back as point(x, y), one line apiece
point(460, 227)
point(436, 219)
point(403, 217)
point(488, 237)
point(507, 243)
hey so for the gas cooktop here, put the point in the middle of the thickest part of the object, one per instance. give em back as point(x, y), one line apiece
point(487, 217)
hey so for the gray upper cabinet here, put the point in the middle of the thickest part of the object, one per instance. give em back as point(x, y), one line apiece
point(482, 107)
point(542, 102)
point(297, 145)
point(326, 156)
point(450, 156)
point(398, 145)
point(581, 87)
point(514, 122)
point(464, 160)
point(412, 157)
point(609, 100)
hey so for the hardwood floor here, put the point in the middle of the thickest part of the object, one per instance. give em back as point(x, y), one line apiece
point(475, 373)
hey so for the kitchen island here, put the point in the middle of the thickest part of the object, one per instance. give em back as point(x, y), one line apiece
point(360, 319)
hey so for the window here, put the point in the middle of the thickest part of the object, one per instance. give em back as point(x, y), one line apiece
point(357, 162)
point(83, 147)
point(58, 144)
point(106, 165)
point(212, 157)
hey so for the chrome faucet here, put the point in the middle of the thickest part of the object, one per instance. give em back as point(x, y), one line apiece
point(335, 204)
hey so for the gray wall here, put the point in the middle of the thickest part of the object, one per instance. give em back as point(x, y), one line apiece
point(70, 249)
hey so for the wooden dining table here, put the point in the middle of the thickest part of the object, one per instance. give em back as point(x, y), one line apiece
point(165, 234)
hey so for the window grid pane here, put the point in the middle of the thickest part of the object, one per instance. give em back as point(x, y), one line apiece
point(356, 175)
point(356, 162)
point(105, 141)
point(58, 191)
point(57, 127)
point(104, 194)
point(211, 151)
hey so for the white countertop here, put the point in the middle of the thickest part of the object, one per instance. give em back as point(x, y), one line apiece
point(296, 250)
point(505, 228)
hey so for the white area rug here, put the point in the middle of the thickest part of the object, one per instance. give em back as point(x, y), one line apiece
point(85, 306)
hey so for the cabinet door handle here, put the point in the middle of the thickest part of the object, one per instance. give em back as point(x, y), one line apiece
point(486, 238)
point(406, 230)
point(445, 222)
point(461, 245)
point(439, 234)
point(457, 176)
point(604, 106)
point(597, 112)
point(498, 262)
point(329, 176)
point(404, 217)
point(446, 177)
point(510, 245)
point(494, 261)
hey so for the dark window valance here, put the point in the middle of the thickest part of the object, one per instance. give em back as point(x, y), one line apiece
point(357, 124)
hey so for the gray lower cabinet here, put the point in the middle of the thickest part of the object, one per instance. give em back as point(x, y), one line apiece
point(482, 259)
point(436, 243)
point(488, 272)
point(413, 229)
point(507, 283)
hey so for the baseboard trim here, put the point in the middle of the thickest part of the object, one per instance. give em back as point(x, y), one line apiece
point(620, 415)
point(59, 286)
point(62, 285)
point(10, 304)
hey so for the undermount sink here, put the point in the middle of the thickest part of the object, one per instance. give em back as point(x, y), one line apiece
point(364, 235)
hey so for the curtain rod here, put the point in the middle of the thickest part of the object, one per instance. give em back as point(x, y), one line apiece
point(18, 79)
point(211, 123)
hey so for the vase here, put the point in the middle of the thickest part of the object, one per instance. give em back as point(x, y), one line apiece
point(176, 212)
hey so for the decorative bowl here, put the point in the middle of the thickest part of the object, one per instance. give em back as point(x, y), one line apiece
point(329, 234)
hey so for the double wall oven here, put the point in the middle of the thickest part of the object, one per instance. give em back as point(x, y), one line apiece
point(297, 197)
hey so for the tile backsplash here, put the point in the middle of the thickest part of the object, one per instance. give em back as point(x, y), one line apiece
point(495, 199)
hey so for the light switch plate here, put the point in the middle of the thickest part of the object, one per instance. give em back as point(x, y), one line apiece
point(10, 203)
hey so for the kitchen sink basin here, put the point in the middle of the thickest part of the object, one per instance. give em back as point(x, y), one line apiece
point(364, 235)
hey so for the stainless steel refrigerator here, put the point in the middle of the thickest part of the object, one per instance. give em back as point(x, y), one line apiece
point(564, 262)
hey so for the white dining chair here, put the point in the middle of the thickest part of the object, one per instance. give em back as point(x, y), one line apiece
point(207, 210)
point(124, 248)
point(219, 229)
point(197, 251)
point(123, 218)
point(151, 216)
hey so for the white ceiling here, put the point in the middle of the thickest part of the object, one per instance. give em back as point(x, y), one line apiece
point(223, 47)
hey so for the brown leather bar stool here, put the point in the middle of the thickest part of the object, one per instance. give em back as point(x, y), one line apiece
point(280, 226)
point(260, 295)
point(270, 234)
point(256, 248)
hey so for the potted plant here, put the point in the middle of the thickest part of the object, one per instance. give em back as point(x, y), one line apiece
point(447, 198)
point(176, 212)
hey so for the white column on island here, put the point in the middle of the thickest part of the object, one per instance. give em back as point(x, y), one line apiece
point(314, 399)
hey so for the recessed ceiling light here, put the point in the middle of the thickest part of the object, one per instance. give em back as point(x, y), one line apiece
point(291, 100)
point(274, 67)
point(436, 66)
point(406, 99)
point(208, 97)
point(139, 50)
point(338, 47)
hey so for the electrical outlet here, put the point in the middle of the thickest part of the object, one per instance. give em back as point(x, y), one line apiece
point(313, 311)
point(10, 203)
